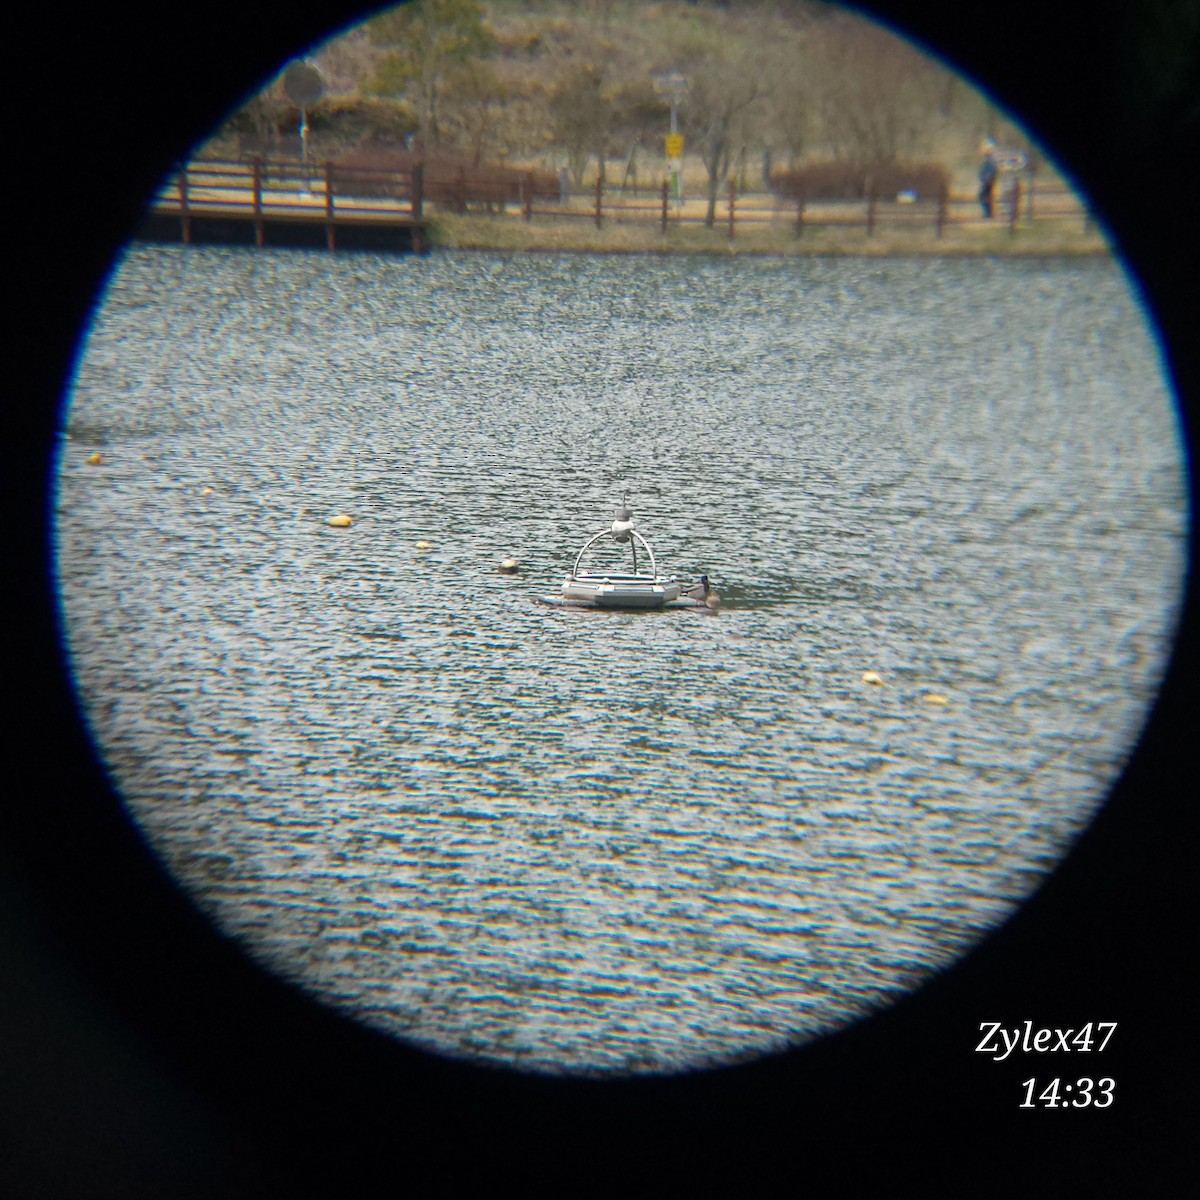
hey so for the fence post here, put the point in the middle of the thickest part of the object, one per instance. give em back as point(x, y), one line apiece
point(599, 188)
point(416, 183)
point(940, 219)
point(871, 212)
point(527, 196)
point(330, 236)
point(666, 191)
point(185, 218)
point(1015, 207)
point(416, 203)
point(800, 200)
point(258, 201)
point(731, 195)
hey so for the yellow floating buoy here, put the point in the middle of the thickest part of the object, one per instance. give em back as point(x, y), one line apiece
point(207, 491)
point(341, 521)
point(93, 460)
point(871, 678)
point(508, 566)
point(422, 545)
point(935, 698)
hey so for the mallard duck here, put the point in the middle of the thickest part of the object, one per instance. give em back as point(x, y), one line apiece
point(705, 594)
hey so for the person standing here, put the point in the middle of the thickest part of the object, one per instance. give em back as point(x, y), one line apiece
point(987, 178)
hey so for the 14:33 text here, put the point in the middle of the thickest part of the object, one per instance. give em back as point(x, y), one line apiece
point(1081, 1093)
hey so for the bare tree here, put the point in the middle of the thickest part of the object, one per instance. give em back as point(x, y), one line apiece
point(472, 108)
point(427, 40)
point(585, 68)
point(871, 90)
point(580, 115)
point(786, 122)
point(789, 117)
point(725, 86)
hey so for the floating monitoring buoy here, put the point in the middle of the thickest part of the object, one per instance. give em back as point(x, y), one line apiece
point(872, 678)
point(612, 586)
point(93, 460)
point(935, 698)
point(508, 566)
point(207, 491)
point(422, 545)
point(341, 521)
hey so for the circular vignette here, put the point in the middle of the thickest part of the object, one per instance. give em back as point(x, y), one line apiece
point(182, 1013)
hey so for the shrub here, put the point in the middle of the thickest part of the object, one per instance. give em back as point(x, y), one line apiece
point(834, 180)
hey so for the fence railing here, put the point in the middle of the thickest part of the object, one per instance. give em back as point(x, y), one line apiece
point(277, 186)
point(278, 190)
point(332, 191)
point(1023, 205)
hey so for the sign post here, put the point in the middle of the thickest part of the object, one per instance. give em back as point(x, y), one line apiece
point(674, 84)
point(305, 85)
point(674, 147)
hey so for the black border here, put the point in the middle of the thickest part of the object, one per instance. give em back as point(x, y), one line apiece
point(139, 1055)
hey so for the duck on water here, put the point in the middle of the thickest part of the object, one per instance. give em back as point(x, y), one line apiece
point(705, 594)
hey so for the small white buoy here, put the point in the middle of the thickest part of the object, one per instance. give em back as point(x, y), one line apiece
point(622, 526)
point(872, 678)
point(935, 698)
point(508, 566)
point(341, 521)
point(422, 545)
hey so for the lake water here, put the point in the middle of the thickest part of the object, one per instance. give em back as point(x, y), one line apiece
point(579, 841)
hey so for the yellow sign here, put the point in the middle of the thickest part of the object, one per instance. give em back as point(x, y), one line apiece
point(674, 145)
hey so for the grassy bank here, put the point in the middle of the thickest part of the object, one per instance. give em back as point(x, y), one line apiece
point(509, 234)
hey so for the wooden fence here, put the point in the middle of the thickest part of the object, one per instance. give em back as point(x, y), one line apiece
point(286, 188)
point(451, 183)
point(292, 203)
point(345, 196)
point(277, 188)
point(1024, 204)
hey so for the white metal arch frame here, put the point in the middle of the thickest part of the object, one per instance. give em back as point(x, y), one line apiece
point(634, 539)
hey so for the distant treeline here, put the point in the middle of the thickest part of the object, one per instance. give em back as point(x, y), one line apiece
point(807, 86)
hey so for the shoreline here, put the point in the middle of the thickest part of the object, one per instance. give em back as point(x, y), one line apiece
point(507, 235)
point(735, 252)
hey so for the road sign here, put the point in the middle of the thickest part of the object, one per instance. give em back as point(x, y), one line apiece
point(670, 82)
point(303, 83)
point(674, 142)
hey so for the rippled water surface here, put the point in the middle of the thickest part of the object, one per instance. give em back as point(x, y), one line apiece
point(585, 841)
